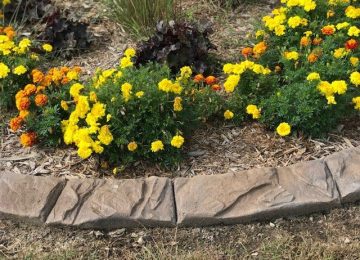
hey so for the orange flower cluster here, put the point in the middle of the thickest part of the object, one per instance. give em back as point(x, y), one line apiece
point(209, 80)
point(351, 44)
point(35, 94)
point(28, 139)
point(8, 31)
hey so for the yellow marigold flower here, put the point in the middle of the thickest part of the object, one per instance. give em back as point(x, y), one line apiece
point(98, 110)
point(108, 117)
point(84, 152)
point(339, 86)
point(340, 53)
point(354, 31)
point(356, 101)
point(20, 70)
point(331, 100)
point(139, 94)
point(354, 61)
point(231, 82)
point(330, 13)
point(126, 62)
point(308, 33)
point(177, 104)
point(343, 25)
point(228, 115)
point(283, 129)
point(254, 111)
point(352, 12)
point(82, 106)
point(355, 78)
point(313, 76)
point(157, 146)
point(295, 21)
point(47, 47)
point(108, 73)
point(292, 55)
point(96, 146)
point(325, 88)
point(24, 113)
point(72, 75)
point(177, 141)
point(132, 146)
point(176, 88)
point(126, 91)
point(75, 90)
point(115, 171)
point(6, 2)
point(64, 105)
point(185, 72)
point(4, 70)
point(118, 74)
point(165, 85)
point(105, 136)
point(93, 96)
point(259, 33)
point(130, 52)
point(33, 56)
point(24, 44)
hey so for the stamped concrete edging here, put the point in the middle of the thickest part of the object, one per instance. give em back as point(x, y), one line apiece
point(231, 198)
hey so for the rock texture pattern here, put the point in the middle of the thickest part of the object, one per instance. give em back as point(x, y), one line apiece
point(240, 197)
point(28, 197)
point(255, 194)
point(113, 204)
point(345, 167)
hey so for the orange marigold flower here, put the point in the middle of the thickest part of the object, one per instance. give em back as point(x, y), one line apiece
point(56, 76)
point(65, 81)
point(199, 78)
point(41, 100)
point(28, 139)
point(305, 41)
point(351, 44)
point(216, 87)
point(328, 30)
point(317, 41)
point(246, 52)
point(30, 89)
point(46, 81)
point(9, 31)
point(210, 80)
point(23, 103)
point(259, 49)
point(64, 70)
point(37, 76)
point(312, 57)
point(15, 123)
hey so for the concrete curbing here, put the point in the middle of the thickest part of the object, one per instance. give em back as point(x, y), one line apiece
point(232, 198)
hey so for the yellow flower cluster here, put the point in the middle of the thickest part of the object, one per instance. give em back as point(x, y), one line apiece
point(254, 111)
point(308, 5)
point(126, 60)
point(330, 89)
point(236, 70)
point(91, 137)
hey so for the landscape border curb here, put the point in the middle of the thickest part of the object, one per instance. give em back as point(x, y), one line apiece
point(232, 198)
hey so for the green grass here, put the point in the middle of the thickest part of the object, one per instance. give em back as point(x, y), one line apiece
point(139, 17)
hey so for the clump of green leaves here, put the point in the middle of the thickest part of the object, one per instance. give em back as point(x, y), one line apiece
point(138, 17)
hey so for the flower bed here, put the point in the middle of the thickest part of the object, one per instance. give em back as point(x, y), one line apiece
point(301, 76)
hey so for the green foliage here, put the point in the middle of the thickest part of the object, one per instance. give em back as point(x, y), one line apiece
point(138, 17)
point(294, 42)
point(143, 105)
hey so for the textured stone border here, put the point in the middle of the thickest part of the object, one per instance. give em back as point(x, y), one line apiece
point(231, 198)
